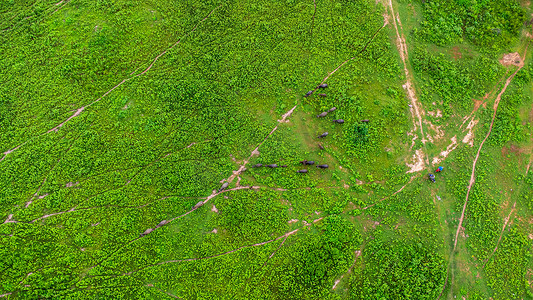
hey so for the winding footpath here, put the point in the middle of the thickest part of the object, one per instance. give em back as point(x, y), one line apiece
point(473, 175)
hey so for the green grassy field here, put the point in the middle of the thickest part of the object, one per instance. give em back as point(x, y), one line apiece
point(121, 120)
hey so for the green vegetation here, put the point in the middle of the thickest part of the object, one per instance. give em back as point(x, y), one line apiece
point(121, 120)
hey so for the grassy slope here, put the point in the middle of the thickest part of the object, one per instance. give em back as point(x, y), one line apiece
point(132, 163)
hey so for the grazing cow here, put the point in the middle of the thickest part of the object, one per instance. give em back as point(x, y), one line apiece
point(323, 86)
point(332, 109)
point(321, 147)
point(310, 162)
point(284, 166)
point(365, 121)
point(147, 231)
point(323, 135)
point(257, 166)
point(161, 223)
point(322, 95)
point(302, 171)
point(322, 166)
point(340, 121)
point(303, 162)
point(308, 94)
point(272, 166)
point(224, 186)
point(322, 114)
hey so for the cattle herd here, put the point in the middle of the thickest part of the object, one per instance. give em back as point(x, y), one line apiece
point(323, 135)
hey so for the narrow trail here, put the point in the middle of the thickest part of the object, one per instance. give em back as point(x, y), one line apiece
point(202, 203)
point(284, 236)
point(501, 235)
point(76, 209)
point(313, 19)
point(385, 23)
point(398, 191)
point(81, 109)
point(9, 151)
point(357, 254)
point(472, 176)
point(165, 292)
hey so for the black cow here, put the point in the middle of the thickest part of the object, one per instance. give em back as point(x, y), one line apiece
point(310, 162)
point(332, 109)
point(323, 86)
point(284, 166)
point(322, 166)
point(340, 121)
point(302, 171)
point(365, 121)
point(322, 95)
point(257, 166)
point(322, 114)
point(323, 135)
point(308, 94)
point(272, 166)
point(303, 162)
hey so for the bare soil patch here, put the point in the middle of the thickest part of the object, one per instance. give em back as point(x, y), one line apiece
point(418, 164)
point(444, 154)
point(511, 59)
point(456, 54)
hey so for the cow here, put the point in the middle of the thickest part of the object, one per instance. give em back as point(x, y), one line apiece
point(332, 109)
point(321, 147)
point(322, 166)
point(272, 166)
point(284, 166)
point(310, 162)
point(257, 166)
point(147, 231)
point(322, 114)
point(308, 94)
point(224, 186)
point(322, 95)
point(161, 223)
point(302, 171)
point(323, 86)
point(365, 121)
point(323, 135)
point(340, 121)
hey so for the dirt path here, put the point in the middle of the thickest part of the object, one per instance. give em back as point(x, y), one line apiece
point(81, 109)
point(385, 198)
point(165, 292)
point(472, 176)
point(501, 235)
point(401, 44)
point(357, 254)
point(313, 19)
point(385, 23)
point(9, 151)
point(284, 236)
